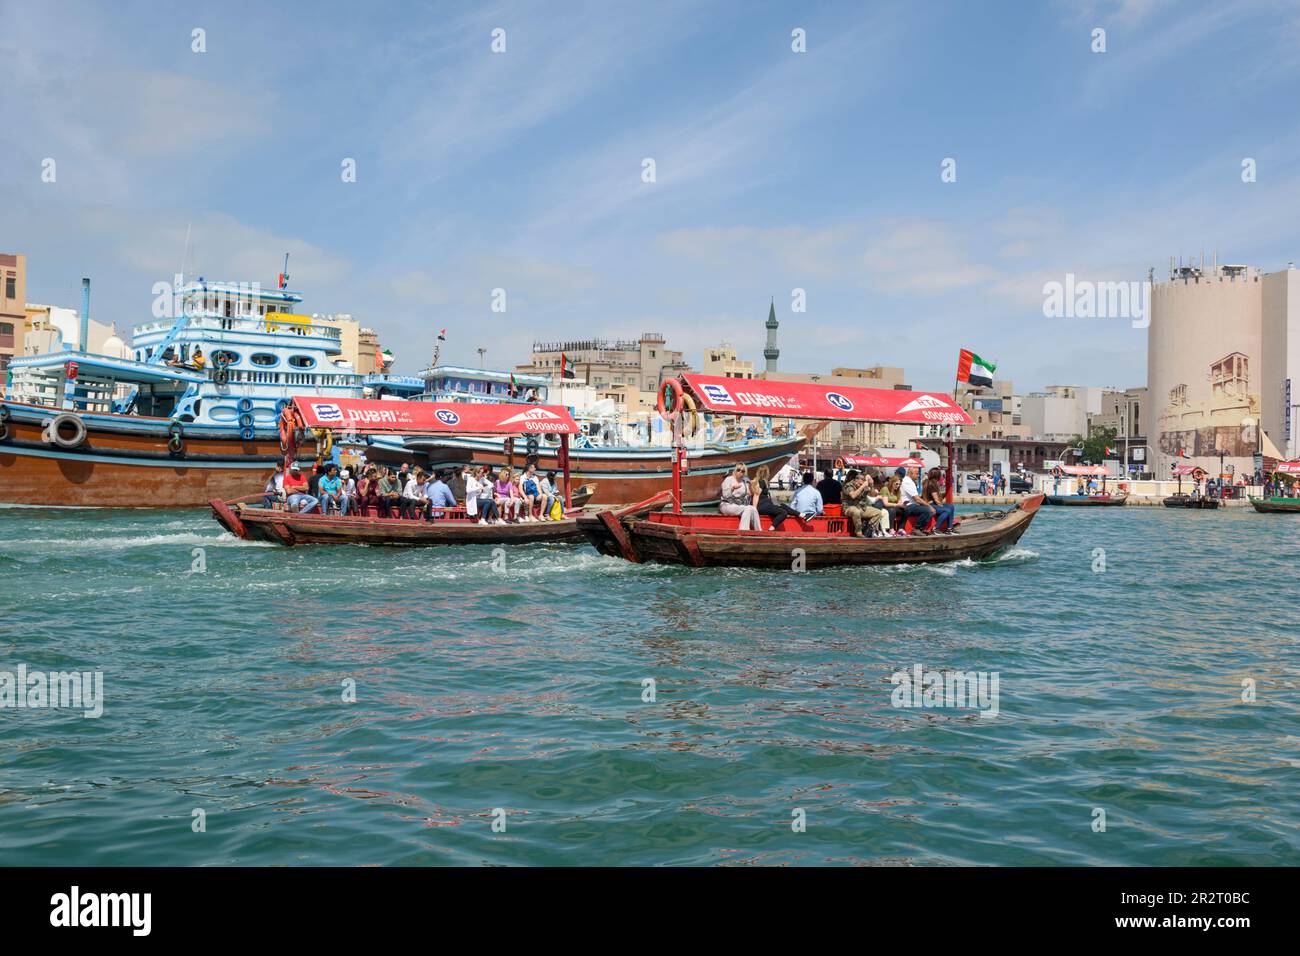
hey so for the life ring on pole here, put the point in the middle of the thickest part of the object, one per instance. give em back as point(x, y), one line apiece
point(175, 438)
point(4, 421)
point(289, 424)
point(54, 430)
point(670, 387)
point(838, 464)
point(691, 426)
point(530, 446)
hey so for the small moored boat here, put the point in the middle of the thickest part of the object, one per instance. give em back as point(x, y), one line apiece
point(1191, 501)
point(1087, 500)
point(1276, 505)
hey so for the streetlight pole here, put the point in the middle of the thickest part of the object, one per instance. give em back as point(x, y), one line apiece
point(481, 353)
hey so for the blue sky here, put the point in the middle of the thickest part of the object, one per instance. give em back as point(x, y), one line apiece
point(775, 170)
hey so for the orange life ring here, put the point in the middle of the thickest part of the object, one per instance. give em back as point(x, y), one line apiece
point(671, 385)
point(838, 464)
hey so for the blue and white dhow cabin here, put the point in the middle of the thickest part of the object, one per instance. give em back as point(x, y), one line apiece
point(191, 411)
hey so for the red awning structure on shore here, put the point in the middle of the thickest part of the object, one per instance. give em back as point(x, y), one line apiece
point(881, 461)
point(1288, 468)
point(734, 396)
point(1093, 471)
point(1188, 470)
point(372, 417)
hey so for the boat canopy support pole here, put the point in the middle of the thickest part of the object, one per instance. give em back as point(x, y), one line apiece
point(564, 464)
point(948, 496)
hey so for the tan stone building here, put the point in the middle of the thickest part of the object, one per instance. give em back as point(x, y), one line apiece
point(605, 362)
point(722, 360)
point(13, 315)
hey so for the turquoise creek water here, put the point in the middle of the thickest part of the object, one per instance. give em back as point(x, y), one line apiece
point(513, 690)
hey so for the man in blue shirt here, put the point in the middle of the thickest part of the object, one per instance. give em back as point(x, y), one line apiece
point(439, 495)
point(808, 500)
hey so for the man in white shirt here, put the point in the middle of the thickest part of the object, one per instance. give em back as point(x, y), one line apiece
point(910, 498)
point(808, 500)
point(414, 500)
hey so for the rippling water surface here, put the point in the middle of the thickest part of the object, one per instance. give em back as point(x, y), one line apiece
point(519, 686)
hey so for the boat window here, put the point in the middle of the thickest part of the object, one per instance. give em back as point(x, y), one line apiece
point(264, 359)
point(302, 361)
point(232, 357)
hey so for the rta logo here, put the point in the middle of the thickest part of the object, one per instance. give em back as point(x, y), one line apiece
point(447, 416)
point(839, 401)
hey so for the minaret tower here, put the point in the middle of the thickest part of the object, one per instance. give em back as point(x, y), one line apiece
point(771, 353)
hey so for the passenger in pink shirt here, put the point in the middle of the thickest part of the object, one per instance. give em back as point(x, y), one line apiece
point(504, 495)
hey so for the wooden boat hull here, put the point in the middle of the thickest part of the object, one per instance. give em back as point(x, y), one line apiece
point(1086, 501)
point(660, 539)
point(287, 528)
point(1276, 505)
point(621, 476)
point(124, 462)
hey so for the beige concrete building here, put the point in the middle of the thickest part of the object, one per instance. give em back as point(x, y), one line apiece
point(13, 316)
point(722, 360)
point(606, 362)
point(1223, 352)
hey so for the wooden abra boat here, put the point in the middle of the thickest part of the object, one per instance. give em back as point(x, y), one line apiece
point(453, 526)
point(711, 540)
point(675, 536)
point(288, 528)
point(1277, 505)
point(1087, 500)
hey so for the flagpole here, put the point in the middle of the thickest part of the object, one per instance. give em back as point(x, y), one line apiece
point(948, 497)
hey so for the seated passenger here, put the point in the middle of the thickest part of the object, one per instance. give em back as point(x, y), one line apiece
point(830, 489)
point(531, 491)
point(295, 489)
point(439, 495)
point(859, 506)
point(274, 490)
point(914, 505)
point(808, 500)
point(331, 488)
point(414, 501)
point(478, 488)
point(933, 493)
point(764, 503)
point(735, 500)
point(347, 493)
point(892, 503)
point(550, 495)
point(503, 494)
point(390, 493)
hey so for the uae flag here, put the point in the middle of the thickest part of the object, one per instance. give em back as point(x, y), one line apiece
point(566, 370)
point(1110, 451)
point(974, 370)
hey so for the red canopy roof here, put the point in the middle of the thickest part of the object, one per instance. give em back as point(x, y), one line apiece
point(1188, 470)
point(881, 461)
point(1098, 471)
point(371, 417)
point(1288, 467)
point(733, 396)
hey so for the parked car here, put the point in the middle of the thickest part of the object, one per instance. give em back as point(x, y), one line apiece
point(1020, 484)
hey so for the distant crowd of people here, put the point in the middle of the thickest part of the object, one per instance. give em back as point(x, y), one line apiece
point(506, 497)
point(876, 505)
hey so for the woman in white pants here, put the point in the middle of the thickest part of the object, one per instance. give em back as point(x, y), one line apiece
point(736, 500)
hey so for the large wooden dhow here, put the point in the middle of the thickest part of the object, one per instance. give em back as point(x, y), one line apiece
point(254, 522)
point(677, 536)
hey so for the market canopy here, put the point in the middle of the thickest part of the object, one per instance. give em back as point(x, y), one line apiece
point(734, 396)
point(1180, 470)
point(881, 461)
point(372, 417)
point(1288, 467)
point(1097, 471)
